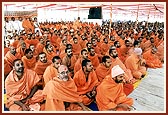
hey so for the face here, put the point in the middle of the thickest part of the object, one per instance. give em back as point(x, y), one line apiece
point(57, 63)
point(18, 66)
point(152, 40)
point(127, 44)
point(114, 54)
point(75, 41)
point(32, 47)
point(29, 55)
point(112, 38)
point(89, 45)
point(63, 73)
point(85, 55)
point(50, 48)
point(43, 58)
point(154, 50)
point(118, 44)
point(106, 41)
point(65, 42)
point(92, 52)
point(89, 67)
point(108, 63)
point(94, 42)
point(23, 45)
point(12, 50)
point(69, 52)
point(119, 78)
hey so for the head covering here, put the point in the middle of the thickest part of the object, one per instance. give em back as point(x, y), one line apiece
point(116, 70)
point(138, 51)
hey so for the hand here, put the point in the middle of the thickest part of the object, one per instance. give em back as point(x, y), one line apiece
point(88, 94)
point(93, 93)
point(25, 107)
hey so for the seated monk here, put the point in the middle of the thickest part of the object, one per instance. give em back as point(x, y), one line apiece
point(29, 60)
point(61, 93)
point(51, 71)
point(78, 64)
point(104, 68)
point(69, 60)
point(86, 82)
point(116, 61)
point(124, 50)
point(136, 64)
point(110, 95)
point(9, 58)
point(152, 60)
point(160, 52)
point(41, 66)
point(48, 49)
point(21, 49)
point(76, 47)
point(21, 89)
point(40, 46)
point(93, 57)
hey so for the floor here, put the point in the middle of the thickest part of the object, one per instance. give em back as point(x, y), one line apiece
point(150, 95)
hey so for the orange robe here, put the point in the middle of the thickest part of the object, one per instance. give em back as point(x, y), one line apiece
point(15, 43)
point(132, 63)
point(84, 86)
point(128, 75)
point(146, 46)
point(104, 48)
point(62, 51)
point(6, 49)
point(7, 68)
point(29, 63)
point(10, 58)
point(69, 62)
point(50, 55)
point(78, 65)
point(57, 92)
point(76, 49)
point(83, 43)
point(110, 94)
point(39, 48)
point(28, 26)
point(102, 72)
point(127, 87)
point(124, 52)
point(95, 60)
point(20, 51)
point(152, 60)
point(160, 51)
point(49, 73)
point(40, 67)
point(20, 89)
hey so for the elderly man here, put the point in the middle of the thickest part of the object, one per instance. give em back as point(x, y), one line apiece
point(110, 95)
point(61, 92)
point(136, 64)
point(22, 89)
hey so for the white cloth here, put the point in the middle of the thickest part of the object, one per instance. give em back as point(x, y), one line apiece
point(116, 70)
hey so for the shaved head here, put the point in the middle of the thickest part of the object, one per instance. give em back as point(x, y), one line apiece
point(63, 73)
point(62, 68)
